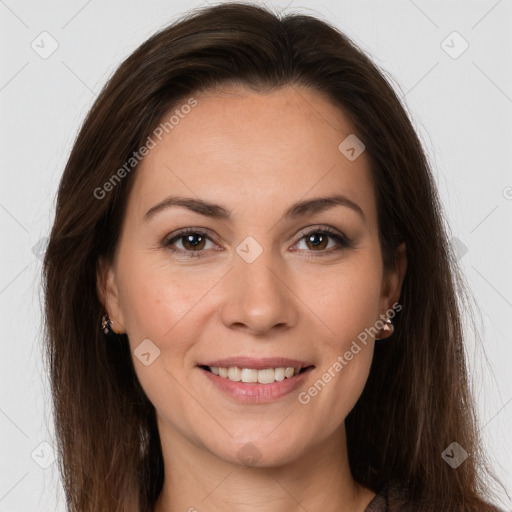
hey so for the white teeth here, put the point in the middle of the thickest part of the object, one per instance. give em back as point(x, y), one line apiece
point(249, 375)
point(235, 374)
point(289, 372)
point(279, 374)
point(266, 376)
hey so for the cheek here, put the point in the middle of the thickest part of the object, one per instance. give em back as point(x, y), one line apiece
point(155, 298)
point(349, 307)
point(337, 388)
point(158, 304)
point(348, 300)
point(343, 372)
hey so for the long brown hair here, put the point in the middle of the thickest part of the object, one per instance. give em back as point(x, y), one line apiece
point(417, 399)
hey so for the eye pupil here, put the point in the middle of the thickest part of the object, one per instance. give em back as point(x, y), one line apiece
point(189, 240)
point(317, 243)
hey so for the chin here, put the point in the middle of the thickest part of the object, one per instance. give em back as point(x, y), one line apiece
point(261, 452)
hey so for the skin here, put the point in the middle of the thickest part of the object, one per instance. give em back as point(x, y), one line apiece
point(255, 154)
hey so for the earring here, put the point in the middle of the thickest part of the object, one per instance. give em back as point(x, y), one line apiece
point(106, 324)
point(387, 329)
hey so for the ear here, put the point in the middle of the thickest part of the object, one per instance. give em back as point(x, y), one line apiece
point(108, 294)
point(393, 278)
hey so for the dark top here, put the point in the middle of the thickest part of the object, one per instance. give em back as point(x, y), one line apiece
point(380, 502)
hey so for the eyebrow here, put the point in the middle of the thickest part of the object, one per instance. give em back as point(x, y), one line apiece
point(216, 211)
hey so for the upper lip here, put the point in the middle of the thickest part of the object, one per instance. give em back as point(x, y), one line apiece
point(257, 363)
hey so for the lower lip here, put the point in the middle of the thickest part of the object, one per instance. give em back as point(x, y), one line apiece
point(254, 392)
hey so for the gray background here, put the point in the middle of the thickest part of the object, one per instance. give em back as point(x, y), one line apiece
point(461, 106)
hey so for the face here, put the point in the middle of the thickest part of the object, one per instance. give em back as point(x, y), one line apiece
point(256, 282)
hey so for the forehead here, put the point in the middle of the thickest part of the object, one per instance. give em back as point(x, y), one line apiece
point(253, 151)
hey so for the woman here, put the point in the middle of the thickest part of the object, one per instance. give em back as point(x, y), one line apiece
point(250, 302)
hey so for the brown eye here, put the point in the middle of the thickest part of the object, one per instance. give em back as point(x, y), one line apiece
point(192, 241)
point(317, 241)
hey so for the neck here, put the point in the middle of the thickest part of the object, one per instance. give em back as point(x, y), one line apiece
point(198, 481)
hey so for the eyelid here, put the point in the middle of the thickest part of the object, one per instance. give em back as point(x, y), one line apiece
point(318, 228)
point(343, 241)
point(180, 233)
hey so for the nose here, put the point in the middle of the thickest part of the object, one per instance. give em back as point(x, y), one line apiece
point(258, 296)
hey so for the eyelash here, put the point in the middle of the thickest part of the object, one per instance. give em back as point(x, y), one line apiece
point(344, 242)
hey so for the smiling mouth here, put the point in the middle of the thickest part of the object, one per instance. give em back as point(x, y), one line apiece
point(254, 376)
